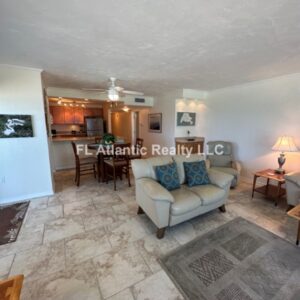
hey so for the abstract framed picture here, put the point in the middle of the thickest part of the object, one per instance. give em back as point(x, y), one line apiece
point(155, 122)
point(186, 119)
point(14, 126)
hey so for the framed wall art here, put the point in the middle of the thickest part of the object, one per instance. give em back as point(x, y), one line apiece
point(186, 119)
point(14, 126)
point(155, 122)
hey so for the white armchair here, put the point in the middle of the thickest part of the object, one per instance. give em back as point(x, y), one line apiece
point(224, 162)
point(293, 188)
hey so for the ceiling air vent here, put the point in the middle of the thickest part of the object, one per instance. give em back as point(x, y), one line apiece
point(139, 100)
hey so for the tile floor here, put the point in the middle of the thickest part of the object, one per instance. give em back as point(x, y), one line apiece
point(88, 243)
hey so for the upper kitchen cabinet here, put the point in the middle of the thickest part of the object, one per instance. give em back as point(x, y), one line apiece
point(58, 114)
point(69, 115)
point(73, 115)
point(93, 112)
point(78, 115)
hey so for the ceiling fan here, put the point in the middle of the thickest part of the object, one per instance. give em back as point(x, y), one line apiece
point(113, 91)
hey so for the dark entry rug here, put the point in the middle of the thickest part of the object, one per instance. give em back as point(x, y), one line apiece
point(237, 261)
point(11, 219)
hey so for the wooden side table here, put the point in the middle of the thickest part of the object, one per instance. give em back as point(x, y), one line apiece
point(270, 190)
point(295, 213)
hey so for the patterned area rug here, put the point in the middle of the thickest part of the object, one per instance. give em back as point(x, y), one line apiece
point(11, 219)
point(237, 261)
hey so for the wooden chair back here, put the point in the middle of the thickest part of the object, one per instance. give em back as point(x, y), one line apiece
point(10, 289)
point(121, 152)
point(139, 143)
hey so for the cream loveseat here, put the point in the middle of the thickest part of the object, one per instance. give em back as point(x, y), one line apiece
point(168, 208)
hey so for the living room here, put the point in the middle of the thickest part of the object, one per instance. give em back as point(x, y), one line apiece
point(222, 73)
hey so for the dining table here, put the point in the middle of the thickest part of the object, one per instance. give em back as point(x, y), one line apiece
point(104, 151)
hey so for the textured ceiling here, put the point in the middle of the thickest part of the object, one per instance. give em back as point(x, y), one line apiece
point(153, 45)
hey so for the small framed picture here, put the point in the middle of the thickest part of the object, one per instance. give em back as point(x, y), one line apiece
point(186, 119)
point(15, 126)
point(155, 122)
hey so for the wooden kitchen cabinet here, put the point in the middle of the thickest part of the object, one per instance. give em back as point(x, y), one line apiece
point(78, 115)
point(69, 115)
point(73, 115)
point(58, 114)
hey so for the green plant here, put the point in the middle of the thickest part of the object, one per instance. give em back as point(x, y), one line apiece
point(108, 138)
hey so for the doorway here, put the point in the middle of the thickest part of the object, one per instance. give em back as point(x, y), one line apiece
point(125, 125)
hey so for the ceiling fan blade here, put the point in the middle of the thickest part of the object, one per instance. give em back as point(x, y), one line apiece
point(94, 90)
point(133, 93)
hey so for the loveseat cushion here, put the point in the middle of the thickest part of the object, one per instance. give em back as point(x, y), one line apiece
point(167, 176)
point(196, 173)
point(184, 201)
point(209, 193)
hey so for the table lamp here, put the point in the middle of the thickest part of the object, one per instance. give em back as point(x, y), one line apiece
point(284, 144)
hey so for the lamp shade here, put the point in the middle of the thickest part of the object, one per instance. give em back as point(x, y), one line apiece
point(285, 144)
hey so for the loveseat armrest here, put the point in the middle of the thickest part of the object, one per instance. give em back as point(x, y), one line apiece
point(237, 166)
point(220, 179)
point(154, 190)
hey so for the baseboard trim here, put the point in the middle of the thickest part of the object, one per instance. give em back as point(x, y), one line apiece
point(26, 197)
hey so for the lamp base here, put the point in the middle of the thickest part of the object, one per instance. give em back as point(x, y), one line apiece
point(279, 171)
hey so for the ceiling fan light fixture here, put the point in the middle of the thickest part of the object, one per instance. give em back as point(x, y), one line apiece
point(113, 95)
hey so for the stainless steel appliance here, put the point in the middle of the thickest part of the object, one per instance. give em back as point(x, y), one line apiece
point(94, 126)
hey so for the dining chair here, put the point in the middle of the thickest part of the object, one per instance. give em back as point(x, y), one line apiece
point(84, 165)
point(118, 164)
point(137, 148)
point(10, 288)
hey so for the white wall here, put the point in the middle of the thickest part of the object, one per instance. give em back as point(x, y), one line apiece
point(24, 162)
point(252, 116)
point(164, 104)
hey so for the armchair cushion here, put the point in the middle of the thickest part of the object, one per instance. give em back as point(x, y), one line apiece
point(184, 201)
point(209, 193)
point(154, 190)
point(293, 177)
point(196, 173)
point(220, 160)
point(167, 176)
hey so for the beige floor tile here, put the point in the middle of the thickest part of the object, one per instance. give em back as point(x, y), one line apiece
point(152, 248)
point(83, 207)
point(28, 238)
point(77, 283)
point(5, 264)
point(83, 246)
point(119, 270)
point(38, 203)
point(63, 228)
point(106, 200)
point(158, 287)
point(99, 218)
point(183, 232)
point(40, 216)
point(122, 233)
point(124, 295)
point(40, 261)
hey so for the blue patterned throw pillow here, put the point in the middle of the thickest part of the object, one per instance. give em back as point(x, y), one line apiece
point(196, 173)
point(167, 176)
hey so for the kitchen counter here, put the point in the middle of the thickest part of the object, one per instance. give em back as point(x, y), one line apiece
point(73, 138)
